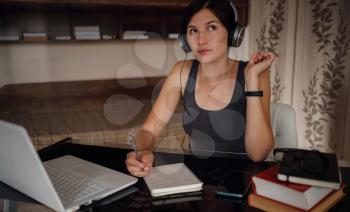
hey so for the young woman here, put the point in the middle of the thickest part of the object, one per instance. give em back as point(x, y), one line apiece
point(227, 102)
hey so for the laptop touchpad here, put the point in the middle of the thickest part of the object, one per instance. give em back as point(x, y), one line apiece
point(91, 171)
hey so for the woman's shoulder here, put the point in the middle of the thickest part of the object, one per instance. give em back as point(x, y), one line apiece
point(182, 67)
point(180, 71)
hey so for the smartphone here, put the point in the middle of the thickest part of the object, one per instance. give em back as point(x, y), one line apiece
point(235, 184)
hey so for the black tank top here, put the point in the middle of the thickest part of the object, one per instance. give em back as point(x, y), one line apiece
point(216, 132)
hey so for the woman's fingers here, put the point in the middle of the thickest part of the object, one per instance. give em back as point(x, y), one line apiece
point(259, 62)
point(137, 171)
point(136, 163)
point(264, 59)
point(147, 159)
point(132, 161)
point(259, 57)
point(140, 167)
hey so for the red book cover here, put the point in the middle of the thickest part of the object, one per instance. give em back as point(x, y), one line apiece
point(296, 195)
point(270, 174)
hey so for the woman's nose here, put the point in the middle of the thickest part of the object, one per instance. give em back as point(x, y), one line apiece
point(202, 38)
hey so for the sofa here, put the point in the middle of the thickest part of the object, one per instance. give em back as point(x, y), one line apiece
point(96, 112)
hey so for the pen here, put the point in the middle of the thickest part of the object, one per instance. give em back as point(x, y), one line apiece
point(132, 143)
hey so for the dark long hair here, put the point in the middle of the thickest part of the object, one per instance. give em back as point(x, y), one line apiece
point(221, 8)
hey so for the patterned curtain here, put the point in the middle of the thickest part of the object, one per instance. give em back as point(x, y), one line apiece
point(312, 73)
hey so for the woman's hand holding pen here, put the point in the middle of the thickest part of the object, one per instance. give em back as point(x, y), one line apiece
point(139, 162)
point(141, 167)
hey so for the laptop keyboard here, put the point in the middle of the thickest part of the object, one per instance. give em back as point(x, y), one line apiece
point(72, 188)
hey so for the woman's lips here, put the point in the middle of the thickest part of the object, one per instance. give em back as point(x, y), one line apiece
point(203, 51)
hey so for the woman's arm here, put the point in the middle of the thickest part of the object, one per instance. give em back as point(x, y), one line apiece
point(258, 136)
point(159, 116)
point(162, 110)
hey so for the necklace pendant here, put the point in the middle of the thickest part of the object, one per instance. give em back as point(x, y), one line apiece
point(211, 91)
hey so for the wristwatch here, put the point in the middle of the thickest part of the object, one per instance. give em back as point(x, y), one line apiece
point(254, 93)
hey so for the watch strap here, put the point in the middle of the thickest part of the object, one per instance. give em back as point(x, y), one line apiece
point(254, 93)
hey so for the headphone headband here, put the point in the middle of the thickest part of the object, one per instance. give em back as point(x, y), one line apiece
point(234, 10)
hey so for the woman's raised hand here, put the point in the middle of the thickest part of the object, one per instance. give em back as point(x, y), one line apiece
point(259, 62)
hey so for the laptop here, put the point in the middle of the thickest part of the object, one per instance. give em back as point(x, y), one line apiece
point(63, 184)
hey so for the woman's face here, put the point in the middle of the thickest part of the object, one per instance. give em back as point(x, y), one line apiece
point(207, 37)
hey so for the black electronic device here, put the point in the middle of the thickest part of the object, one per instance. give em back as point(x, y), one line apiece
point(235, 184)
point(309, 167)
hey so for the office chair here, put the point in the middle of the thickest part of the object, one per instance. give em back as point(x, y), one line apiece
point(283, 123)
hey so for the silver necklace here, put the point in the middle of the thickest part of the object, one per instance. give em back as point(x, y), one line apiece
point(211, 91)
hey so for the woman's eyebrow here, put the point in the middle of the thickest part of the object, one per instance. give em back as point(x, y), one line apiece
point(190, 26)
point(212, 22)
point(208, 23)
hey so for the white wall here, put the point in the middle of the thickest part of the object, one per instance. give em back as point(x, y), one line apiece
point(242, 52)
point(49, 62)
point(70, 61)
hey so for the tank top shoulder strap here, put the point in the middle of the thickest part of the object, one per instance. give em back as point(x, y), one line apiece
point(192, 77)
point(240, 74)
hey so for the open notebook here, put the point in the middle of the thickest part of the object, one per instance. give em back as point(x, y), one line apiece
point(172, 179)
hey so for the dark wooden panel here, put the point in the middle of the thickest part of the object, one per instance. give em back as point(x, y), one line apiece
point(57, 18)
point(174, 3)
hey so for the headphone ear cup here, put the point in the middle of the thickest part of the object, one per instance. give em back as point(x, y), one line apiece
point(236, 38)
point(183, 43)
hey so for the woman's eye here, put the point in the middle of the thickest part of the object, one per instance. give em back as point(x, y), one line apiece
point(211, 27)
point(192, 31)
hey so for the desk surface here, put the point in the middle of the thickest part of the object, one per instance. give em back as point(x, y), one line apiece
point(138, 198)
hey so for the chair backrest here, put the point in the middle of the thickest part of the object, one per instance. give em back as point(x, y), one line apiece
point(283, 123)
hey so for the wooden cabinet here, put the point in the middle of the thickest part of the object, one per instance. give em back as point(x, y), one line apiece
point(52, 20)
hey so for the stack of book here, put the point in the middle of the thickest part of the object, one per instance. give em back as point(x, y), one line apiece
point(87, 33)
point(173, 35)
point(35, 36)
point(63, 37)
point(9, 29)
point(108, 37)
point(300, 191)
point(134, 34)
point(8, 37)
